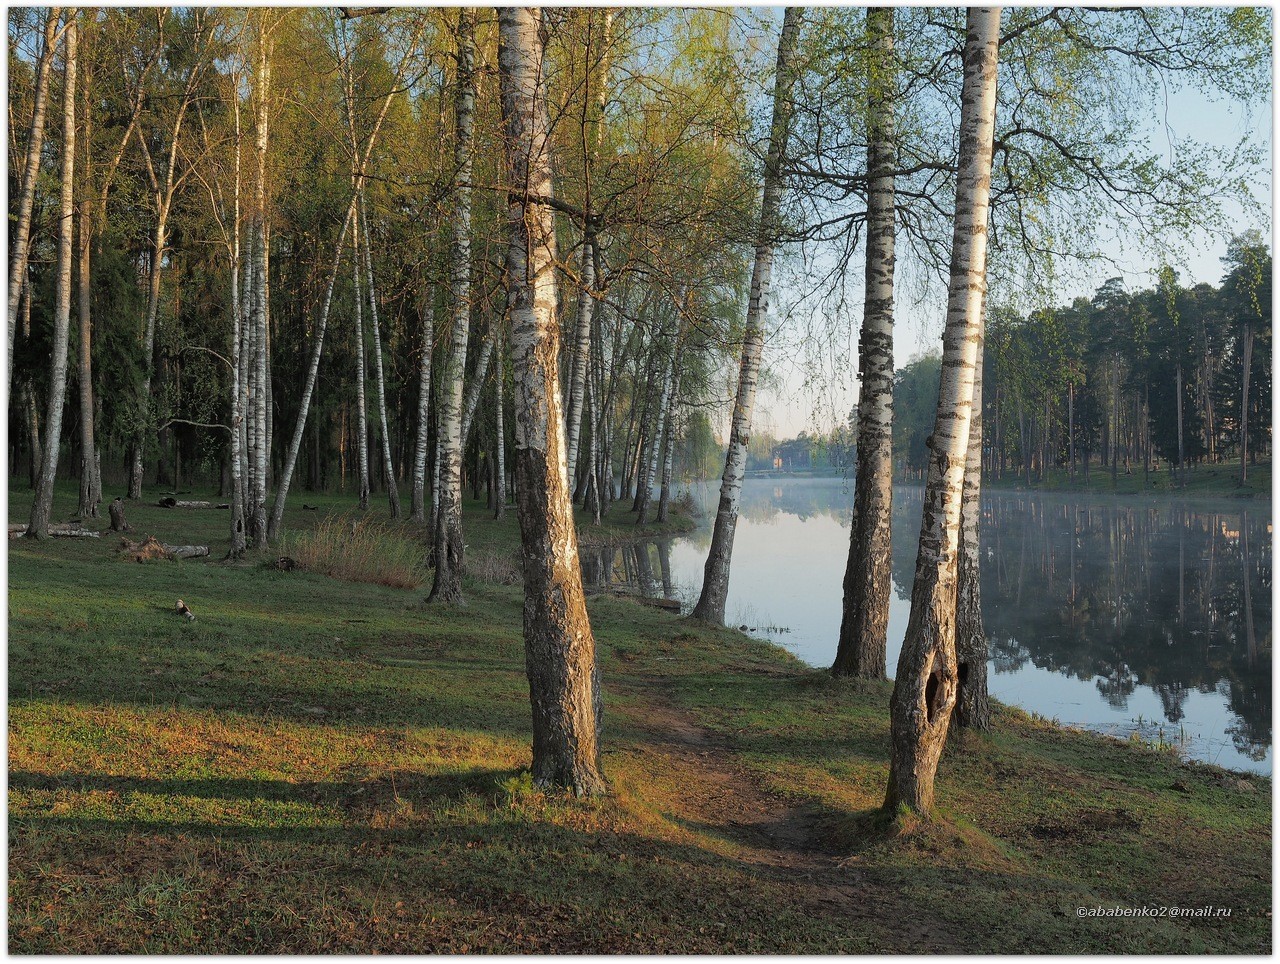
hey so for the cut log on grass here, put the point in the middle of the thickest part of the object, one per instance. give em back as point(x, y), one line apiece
point(62, 531)
point(152, 548)
point(171, 503)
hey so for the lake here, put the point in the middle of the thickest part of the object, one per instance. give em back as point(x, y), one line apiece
point(1114, 614)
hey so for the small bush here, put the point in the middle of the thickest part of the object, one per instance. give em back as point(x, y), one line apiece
point(359, 550)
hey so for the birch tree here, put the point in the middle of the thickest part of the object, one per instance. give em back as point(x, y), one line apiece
point(715, 581)
point(380, 385)
point(21, 241)
point(42, 505)
point(447, 586)
point(867, 577)
point(924, 692)
point(559, 646)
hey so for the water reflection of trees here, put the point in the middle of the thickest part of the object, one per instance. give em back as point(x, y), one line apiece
point(762, 499)
point(642, 567)
point(1165, 596)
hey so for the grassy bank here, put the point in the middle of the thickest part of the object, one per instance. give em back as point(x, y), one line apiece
point(319, 765)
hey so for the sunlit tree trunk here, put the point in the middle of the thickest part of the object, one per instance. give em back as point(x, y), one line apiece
point(21, 243)
point(90, 482)
point(924, 691)
point(362, 415)
point(42, 505)
point(393, 492)
point(258, 525)
point(973, 708)
point(238, 453)
point(447, 586)
point(559, 647)
point(422, 440)
point(867, 576)
point(715, 580)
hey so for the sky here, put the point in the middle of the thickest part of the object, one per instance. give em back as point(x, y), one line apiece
point(810, 378)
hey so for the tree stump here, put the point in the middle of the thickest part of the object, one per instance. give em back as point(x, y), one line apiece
point(116, 508)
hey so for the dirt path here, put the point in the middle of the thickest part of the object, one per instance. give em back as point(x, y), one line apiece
point(784, 841)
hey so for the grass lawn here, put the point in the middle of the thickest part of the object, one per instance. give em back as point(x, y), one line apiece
point(316, 765)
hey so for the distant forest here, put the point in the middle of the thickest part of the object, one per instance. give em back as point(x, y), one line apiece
point(1122, 382)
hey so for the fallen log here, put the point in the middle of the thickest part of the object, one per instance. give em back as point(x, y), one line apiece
point(61, 530)
point(171, 503)
point(152, 548)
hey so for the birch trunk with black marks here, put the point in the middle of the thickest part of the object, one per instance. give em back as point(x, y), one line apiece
point(472, 401)
point(42, 505)
point(867, 576)
point(668, 437)
point(238, 454)
point(560, 653)
point(393, 492)
point(924, 692)
point(654, 461)
point(447, 585)
point(27, 192)
point(258, 528)
point(715, 580)
point(362, 415)
point(90, 482)
point(973, 707)
point(422, 441)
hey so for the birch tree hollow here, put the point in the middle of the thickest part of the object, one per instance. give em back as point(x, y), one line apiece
point(447, 585)
point(867, 576)
point(924, 692)
point(42, 505)
point(715, 579)
point(559, 646)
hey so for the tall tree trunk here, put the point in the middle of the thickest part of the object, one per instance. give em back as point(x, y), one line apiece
point(867, 576)
point(42, 505)
point(668, 436)
point(238, 452)
point(472, 400)
point(258, 527)
point(393, 493)
point(148, 352)
point(500, 440)
point(560, 655)
point(973, 708)
point(30, 172)
point(422, 440)
point(715, 580)
point(362, 413)
point(924, 692)
point(447, 586)
point(90, 483)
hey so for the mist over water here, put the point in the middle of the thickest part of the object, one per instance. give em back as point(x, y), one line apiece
point(1118, 614)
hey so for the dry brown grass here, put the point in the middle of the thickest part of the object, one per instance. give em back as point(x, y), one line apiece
point(358, 549)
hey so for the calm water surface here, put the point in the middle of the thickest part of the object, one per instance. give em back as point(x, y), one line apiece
point(1113, 614)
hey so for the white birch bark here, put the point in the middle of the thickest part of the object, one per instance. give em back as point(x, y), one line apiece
point(868, 577)
point(418, 499)
point(42, 504)
point(973, 708)
point(258, 509)
point(393, 492)
point(238, 454)
point(447, 585)
point(559, 646)
point(90, 483)
point(715, 580)
point(472, 401)
point(924, 691)
point(27, 193)
point(500, 439)
point(362, 416)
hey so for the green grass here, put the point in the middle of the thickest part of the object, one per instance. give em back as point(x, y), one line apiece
point(317, 765)
point(1210, 481)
